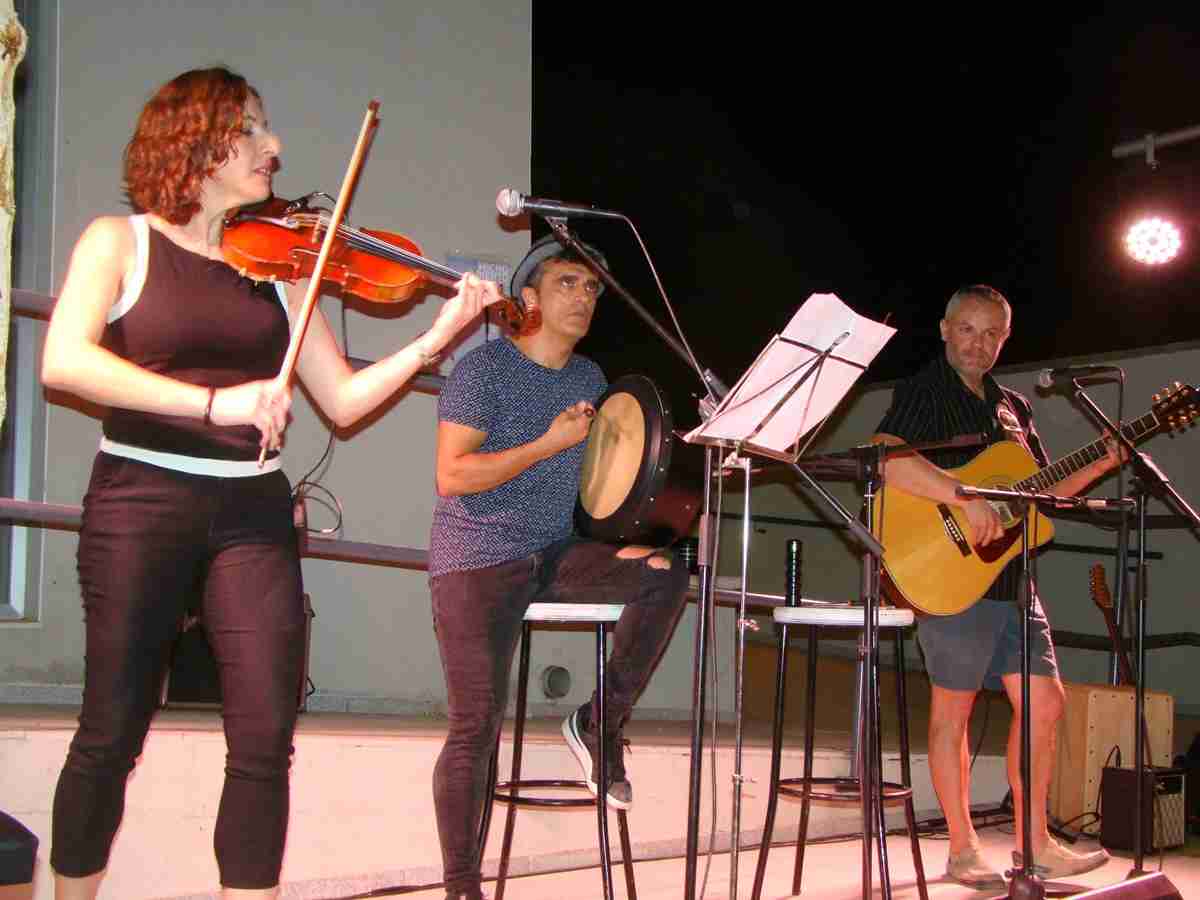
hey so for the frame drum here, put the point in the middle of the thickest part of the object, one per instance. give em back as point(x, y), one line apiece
point(626, 493)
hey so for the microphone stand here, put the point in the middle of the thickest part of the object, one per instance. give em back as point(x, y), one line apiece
point(1025, 883)
point(714, 390)
point(1147, 478)
point(713, 386)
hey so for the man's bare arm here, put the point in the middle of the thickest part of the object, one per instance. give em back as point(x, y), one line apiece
point(914, 474)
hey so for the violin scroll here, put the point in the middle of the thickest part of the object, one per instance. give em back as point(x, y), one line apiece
point(521, 320)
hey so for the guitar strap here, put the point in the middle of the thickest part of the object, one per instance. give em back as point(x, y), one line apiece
point(1014, 409)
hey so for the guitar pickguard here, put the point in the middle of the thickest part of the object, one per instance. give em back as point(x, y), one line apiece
point(1004, 511)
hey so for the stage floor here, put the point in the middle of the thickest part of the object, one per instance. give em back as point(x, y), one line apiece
point(832, 872)
point(362, 823)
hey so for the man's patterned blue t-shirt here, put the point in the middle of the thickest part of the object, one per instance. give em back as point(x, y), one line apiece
point(498, 390)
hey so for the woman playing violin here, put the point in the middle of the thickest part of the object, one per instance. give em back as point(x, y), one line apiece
point(153, 324)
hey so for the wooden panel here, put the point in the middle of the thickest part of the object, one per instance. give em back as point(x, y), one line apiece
point(1098, 718)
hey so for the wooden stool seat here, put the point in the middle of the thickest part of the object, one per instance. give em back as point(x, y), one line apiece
point(574, 612)
point(846, 615)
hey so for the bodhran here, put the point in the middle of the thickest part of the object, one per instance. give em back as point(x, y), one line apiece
point(627, 493)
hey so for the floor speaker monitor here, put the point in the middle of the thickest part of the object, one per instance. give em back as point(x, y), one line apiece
point(1145, 887)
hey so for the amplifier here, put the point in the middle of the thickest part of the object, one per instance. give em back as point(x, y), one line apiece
point(1096, 719)
point(1164, 815)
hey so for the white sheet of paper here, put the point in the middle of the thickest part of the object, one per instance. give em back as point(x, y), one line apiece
point(820, 321)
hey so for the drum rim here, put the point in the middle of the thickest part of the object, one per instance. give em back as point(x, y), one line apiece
point(652, 473)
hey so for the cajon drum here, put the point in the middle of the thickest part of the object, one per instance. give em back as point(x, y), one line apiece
point(1097, 719)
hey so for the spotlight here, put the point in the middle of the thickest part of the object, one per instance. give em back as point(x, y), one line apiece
point(1153, 240)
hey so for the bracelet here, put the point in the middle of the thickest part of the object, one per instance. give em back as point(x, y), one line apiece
point(212, 393)
point(427, 358)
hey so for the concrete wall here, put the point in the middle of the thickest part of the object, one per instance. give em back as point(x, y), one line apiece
point(454, 81)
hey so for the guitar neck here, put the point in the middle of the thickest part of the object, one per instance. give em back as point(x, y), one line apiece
point(1123, 664)
point(1046, 478)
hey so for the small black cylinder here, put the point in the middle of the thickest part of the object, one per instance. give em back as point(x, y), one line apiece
point(792, 591)
point(688, 550)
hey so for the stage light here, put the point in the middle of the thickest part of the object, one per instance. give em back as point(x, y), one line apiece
point(1153, 240)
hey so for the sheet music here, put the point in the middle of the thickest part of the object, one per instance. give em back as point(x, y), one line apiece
point(759, 406)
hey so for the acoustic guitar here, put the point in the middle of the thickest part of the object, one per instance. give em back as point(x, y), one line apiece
point(929, 563)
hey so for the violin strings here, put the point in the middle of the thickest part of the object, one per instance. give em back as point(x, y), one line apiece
point(359, 240)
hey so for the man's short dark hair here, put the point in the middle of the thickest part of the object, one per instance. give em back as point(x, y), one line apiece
point(981, 292)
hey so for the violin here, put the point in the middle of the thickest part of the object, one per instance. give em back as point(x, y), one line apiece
point(280, 240)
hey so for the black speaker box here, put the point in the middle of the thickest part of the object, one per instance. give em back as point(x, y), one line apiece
point(1191, 765)
point(1146, 887)
point(18, 851)
point(1164, 817)
point(191, 679)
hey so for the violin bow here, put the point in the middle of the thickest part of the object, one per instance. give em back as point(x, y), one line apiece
point(331, 231)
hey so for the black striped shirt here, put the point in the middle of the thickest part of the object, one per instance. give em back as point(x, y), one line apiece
point(935, 405)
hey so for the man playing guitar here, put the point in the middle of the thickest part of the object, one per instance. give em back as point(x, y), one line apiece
point(980, 647)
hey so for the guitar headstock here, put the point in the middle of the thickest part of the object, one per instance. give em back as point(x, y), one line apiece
point(1177, 406)
point(1099, 585)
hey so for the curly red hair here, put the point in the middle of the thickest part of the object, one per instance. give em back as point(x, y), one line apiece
point(184, 134)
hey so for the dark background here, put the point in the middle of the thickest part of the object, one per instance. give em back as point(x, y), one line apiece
point(765, 155)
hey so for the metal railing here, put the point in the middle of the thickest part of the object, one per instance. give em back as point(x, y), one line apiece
point(312, 546)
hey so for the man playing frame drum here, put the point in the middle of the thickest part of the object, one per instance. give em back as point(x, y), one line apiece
point(512, 423)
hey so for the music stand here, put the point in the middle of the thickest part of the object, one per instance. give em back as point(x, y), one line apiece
point(787, 393)
point(796, 382)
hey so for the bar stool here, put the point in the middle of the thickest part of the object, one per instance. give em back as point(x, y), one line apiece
point(509, 792)
point(835, 789)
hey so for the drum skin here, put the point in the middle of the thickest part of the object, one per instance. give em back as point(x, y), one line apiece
point(626, 491)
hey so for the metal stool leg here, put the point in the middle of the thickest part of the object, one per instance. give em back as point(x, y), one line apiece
point(602, 781)
point(810, 723)
point(518, 744)
point(602, 788)
point(905, 764)
point(626, 855)
point(776, 759)
point(876, 761)
point(485, 815)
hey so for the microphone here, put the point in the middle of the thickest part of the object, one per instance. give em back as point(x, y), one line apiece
point(1048, 378)
point(511, 202)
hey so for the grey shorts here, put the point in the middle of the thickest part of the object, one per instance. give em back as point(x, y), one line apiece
point(971, 650)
